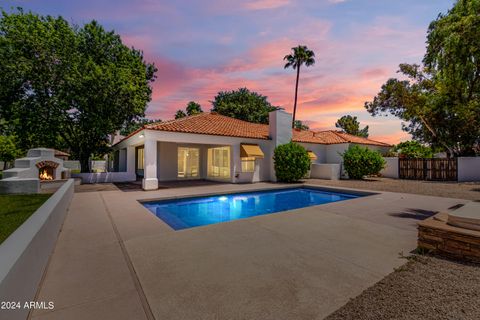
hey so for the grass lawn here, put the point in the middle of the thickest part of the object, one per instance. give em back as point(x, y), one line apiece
point(15, 209)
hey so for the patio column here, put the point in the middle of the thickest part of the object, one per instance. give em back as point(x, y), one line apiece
point(236, 168)
point(130, 160)
point(150, 180)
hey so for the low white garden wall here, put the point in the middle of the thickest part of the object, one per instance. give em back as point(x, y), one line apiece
point(95, 165)
point(98, 166)
point(468, 169)
point(25, 253)
point(72, 164)
point(103, 177)
point(391, 168)
point(328, 171)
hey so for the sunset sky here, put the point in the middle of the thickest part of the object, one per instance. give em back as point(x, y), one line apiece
point(202, 47)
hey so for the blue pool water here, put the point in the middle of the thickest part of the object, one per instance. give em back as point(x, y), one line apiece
point(193, 212)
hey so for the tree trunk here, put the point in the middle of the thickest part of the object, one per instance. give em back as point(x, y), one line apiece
point(296, 92)
point(84, 163)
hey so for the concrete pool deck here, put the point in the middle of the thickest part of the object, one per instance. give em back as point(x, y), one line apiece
point(116, 260)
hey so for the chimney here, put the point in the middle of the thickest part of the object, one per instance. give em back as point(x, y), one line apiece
point(280, 127)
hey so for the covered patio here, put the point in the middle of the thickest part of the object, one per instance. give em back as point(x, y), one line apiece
point(156, 156)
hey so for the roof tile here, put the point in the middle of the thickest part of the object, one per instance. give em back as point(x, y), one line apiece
point(216, 124)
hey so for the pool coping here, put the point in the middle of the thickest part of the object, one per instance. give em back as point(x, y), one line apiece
point(355, 192)
point(347, 191)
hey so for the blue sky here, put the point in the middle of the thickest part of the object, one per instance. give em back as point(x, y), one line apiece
point(202, 47)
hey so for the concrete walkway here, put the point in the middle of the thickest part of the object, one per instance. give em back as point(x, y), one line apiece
point(116, 260)
point(89, 275)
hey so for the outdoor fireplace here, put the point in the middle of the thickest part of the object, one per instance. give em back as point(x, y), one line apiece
point(40, 169)
point(46, 170)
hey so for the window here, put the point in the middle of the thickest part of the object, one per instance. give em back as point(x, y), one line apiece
point(248, 164)
point(219, 162)
point(188, 159)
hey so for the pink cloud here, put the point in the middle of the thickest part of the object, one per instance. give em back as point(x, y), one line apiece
point(265, 4)
point(336, 85)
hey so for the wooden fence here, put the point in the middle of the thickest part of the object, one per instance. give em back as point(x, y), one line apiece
point(428, 169)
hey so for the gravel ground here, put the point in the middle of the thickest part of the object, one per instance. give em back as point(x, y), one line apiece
point(424, 288)
point(469, 191)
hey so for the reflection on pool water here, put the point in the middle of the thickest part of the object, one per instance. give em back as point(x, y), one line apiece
point(193, 212)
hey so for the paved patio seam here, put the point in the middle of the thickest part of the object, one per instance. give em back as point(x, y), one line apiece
point(136, 281)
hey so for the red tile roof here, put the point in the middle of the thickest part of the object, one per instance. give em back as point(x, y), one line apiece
point(219, 125)
point(356, 139)
point(213, 124)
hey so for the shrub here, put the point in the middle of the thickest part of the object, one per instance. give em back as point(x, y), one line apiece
point(291, 162)
point(412, 149)
point(360, 162)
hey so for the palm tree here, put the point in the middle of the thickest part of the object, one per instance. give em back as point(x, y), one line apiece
point(301, 55)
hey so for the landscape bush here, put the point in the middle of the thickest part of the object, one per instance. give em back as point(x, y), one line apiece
point(291, 162)
point(360, 162)
point(412, 149)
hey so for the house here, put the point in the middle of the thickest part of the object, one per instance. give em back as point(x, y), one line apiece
point(215, 147)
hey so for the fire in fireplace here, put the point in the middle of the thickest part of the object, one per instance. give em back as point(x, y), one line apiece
point(46, 170)
point(46, 173)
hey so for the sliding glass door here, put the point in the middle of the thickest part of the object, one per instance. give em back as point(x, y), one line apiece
point(188, 162)
point(219, 162)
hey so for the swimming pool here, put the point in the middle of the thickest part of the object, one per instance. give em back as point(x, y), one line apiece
point(193, 212)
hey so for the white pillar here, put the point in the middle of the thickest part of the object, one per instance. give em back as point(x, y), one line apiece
point(131, 160)
point(150, 180)
point(280, 131)
point(235, 162)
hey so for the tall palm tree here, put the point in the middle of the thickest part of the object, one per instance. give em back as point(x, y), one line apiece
point(301, 55)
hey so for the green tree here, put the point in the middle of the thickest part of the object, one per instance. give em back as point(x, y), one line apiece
point(63, 85)
point(351, 125)
point(360, 162)
point(291, 162)
point(244, 105)
point(412, 149)
point(300, 55)
point(136, 124)
point(193, 108)
point(180, 114)
point(300, 125)
point(8, 150)
point(440, 101)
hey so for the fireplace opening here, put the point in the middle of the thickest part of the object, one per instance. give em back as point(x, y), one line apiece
point(46, 170)
point(46, 173)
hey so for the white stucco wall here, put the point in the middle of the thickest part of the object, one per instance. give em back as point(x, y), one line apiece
point(380, 149)
point(334, 152)
point(168, 143)
point(391, 168)
point(468, 169)
point(122, 160)
point(104, 177)
point(280, 132)
point(328, 171)
point(167, 154)
point(72, 164)
point(318, 149)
